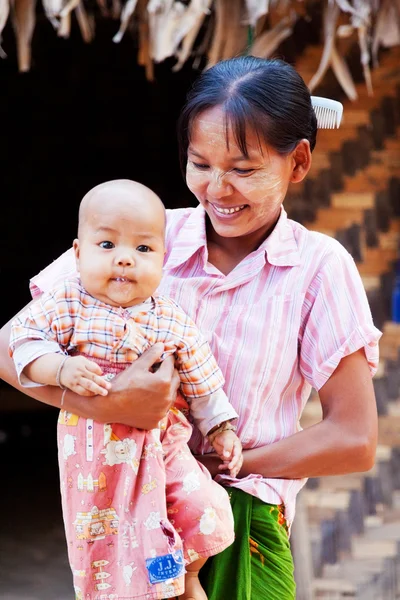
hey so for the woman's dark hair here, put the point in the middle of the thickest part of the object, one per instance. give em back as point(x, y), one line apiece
point(267, 96)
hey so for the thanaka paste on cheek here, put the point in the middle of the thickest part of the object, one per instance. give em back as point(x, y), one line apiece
point(250, 186)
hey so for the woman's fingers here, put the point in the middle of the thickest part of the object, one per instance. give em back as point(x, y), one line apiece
point(150, 357)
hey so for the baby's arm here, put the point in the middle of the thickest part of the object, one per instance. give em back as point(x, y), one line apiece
point(213, 416)
point(37, 337)
point(228, 447)
point(76, 373)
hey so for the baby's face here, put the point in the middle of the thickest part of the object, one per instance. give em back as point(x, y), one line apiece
point(120, 251)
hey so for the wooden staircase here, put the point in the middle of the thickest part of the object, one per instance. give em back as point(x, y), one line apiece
point(346, 542)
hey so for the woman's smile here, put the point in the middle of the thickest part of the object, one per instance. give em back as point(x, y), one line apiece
point(242, 195)
point(227, 211)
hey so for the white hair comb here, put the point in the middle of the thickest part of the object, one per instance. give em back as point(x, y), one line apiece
point(328, 112)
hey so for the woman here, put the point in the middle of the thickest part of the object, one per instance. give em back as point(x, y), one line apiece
point(284, 310)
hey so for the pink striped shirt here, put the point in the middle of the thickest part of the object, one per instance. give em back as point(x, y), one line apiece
point(278, 325)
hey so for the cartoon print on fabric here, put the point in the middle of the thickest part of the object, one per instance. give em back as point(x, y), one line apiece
point(96, 524)
point(127, 573)
point(121, 451)
point(208, 521)
point(89, 484)
point(69, 445)
point(191, 483)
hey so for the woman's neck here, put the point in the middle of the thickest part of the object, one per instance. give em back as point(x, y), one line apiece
point(225, 253)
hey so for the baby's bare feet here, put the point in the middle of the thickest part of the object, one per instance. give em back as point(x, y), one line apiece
point(193, 588)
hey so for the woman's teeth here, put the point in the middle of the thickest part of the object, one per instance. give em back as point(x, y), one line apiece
point(229, 211)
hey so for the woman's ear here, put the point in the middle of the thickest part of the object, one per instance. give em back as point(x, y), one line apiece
point(75, 246)
point(301, 161)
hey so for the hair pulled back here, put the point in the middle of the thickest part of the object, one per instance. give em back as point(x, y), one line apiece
point(267, 96)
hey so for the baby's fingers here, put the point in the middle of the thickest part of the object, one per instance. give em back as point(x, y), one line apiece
point(236, 454)
point(90, 375)
point(93, 367)
point(79, 389)
point(95, 385)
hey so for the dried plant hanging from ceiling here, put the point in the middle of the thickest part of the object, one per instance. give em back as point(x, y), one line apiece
point(218, 29)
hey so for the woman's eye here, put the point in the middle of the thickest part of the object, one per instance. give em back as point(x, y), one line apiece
point(143, 248)
point(244, 171)
point(200, 166)
point(106, 245)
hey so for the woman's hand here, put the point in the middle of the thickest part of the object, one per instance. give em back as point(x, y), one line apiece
point(211, 461)
point(215, 465)
point(140, 397)
point(343, 442)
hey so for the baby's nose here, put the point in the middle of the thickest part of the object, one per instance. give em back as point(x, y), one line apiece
point(125, 260)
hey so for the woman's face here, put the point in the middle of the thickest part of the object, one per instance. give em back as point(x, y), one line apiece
point(242, 196)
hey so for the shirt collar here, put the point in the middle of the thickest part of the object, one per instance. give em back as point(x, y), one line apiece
point(190, 239)
point(280, 247)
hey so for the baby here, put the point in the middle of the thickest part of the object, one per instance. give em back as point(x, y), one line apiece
point(130, 497)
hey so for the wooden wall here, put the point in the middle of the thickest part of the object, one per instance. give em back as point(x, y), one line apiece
point(347, 537)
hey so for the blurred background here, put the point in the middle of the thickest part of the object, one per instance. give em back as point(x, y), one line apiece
point(78, 109)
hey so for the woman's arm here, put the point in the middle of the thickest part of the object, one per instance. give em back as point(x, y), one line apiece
point(138, 397)
point(343, 442)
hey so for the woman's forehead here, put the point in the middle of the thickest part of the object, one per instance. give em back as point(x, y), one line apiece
point(214, 128)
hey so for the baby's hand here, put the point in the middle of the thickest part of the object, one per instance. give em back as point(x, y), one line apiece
point(84, 377)
point(229, 448)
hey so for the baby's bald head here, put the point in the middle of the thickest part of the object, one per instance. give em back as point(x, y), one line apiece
point(119, 196)
point(121, 242)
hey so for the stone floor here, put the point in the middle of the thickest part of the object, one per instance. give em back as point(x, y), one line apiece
point(33, 561)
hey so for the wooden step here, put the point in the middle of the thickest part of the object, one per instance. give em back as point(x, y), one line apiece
point(377, 261)
point(355, 200)
point(336, 218)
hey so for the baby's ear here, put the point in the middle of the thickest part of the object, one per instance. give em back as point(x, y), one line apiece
point(75, 246)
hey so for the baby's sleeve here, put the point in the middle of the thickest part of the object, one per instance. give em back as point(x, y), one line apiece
point(64, 267)
point(35, 323)
point(49, 319)
point(336, 320)
point(34, 333)
point(198, 370)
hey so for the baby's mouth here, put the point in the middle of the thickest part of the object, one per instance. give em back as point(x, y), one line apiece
point(122, 279)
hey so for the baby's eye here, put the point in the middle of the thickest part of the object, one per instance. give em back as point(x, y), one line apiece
point(143, 248)
point(106, 245)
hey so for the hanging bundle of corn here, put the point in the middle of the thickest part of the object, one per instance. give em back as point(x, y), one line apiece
point(24, 19)
point(59, 14)
point(218, 29)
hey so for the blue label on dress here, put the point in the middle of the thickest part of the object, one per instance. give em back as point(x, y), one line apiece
point(169, 566)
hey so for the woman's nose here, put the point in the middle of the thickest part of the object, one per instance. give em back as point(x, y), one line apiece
point(218, 186)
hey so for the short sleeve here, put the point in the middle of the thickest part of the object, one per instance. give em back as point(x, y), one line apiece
point(198, 369)
point(48, 319)
point(64, 267)
point(336, 319)
point(199, 372)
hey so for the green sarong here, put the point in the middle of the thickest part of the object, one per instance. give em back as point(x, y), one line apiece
point(259, 564)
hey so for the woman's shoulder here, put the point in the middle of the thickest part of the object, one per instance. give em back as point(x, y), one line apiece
point(176, 219)
point(317, 247)
point(64, 267)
